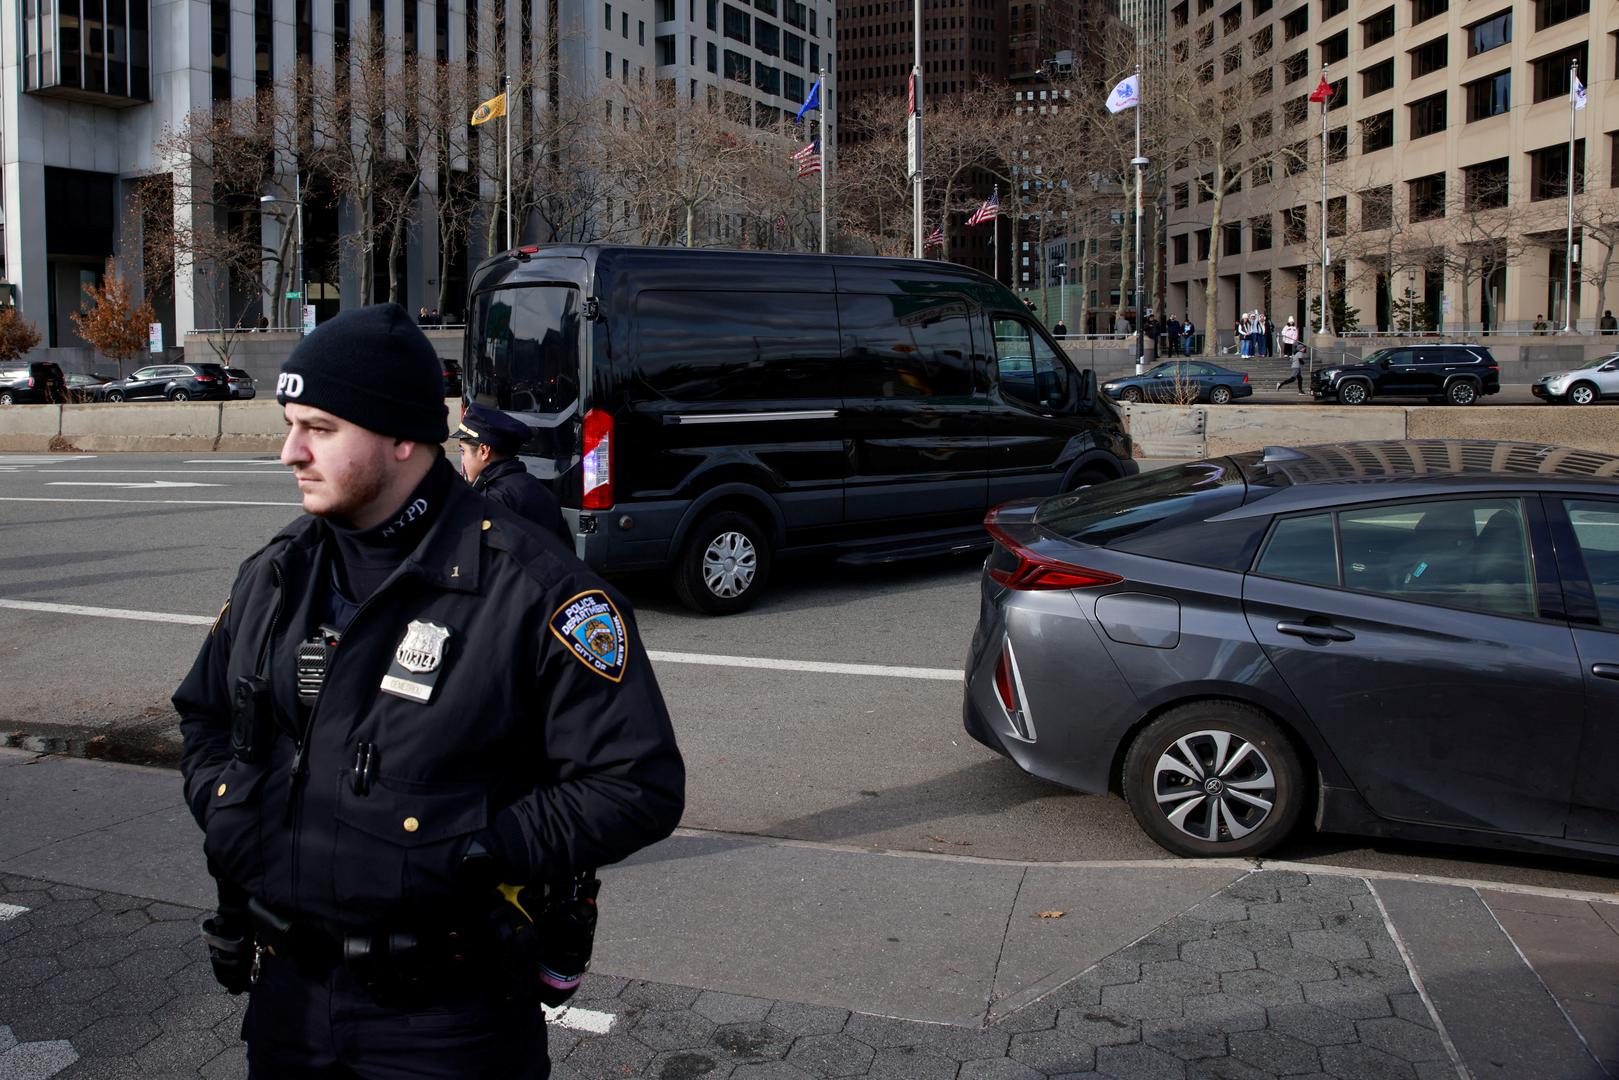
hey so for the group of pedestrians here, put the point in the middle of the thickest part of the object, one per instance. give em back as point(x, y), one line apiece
point(1254, 334)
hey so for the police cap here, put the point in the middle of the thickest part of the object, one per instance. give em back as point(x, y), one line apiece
point(492, 428)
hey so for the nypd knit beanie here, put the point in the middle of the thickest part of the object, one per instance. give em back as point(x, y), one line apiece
point(373, 367)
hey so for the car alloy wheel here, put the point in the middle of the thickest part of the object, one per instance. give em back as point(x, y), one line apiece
point(8, 398)
point(1132, 395)
point(1461, 392)
point(1220, 395)
point(729, 563)
point(180, 395)
point(1582, 394)
point(724, 564)
point(1353, 393)
point(115, 396)
point(1214, 778)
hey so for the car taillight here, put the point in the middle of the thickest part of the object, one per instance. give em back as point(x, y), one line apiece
point(205, 378)
point(30, 382)
point(598, 461)
point(1245, 376)
point(1035, 572)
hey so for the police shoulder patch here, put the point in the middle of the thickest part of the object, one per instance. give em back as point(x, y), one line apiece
point(593, 631)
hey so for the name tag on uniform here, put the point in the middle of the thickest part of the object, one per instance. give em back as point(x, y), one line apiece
point(417, 662)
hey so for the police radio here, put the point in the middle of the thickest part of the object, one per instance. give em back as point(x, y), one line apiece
point(313, 658)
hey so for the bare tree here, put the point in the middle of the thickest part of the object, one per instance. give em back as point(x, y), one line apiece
point(1596, 214)
point(1482, 235)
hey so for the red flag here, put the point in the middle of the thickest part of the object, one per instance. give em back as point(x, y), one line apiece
point(1323, 92)
point(910, 106)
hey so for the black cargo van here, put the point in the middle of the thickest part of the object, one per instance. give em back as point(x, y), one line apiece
point(710, 411)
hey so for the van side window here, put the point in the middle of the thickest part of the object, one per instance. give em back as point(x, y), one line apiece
point(906, 346)
point(1029, 370)
point(736, 346)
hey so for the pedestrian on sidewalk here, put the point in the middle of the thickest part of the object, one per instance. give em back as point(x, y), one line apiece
point(1188, 336)
point(1608, 324)
point(411, 719)
point(490, 440)
point(1290, 349)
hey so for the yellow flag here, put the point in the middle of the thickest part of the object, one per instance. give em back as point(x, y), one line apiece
point(495, 106)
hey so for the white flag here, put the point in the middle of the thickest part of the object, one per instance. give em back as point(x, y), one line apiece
point(1576, 91)
point(1126, 95)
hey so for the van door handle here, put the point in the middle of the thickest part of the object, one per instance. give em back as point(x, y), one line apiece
point(1605, 671)
point(1306, 630)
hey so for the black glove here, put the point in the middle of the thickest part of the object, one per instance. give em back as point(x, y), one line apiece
point(479, 869)
point(230, 950)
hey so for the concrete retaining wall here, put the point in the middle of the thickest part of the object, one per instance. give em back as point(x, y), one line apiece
point(29, 427)
point(1213, 430)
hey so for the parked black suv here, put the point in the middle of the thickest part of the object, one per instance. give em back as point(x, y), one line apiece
point(710, 411)
point(176, 382)
point(1458, 374)
point(38, 383)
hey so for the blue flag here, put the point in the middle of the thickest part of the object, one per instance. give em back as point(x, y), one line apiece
point(811, 102)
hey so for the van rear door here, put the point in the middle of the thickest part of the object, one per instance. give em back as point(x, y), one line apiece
point(524, 357)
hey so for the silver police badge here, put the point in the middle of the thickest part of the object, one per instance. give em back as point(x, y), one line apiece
point(422, 649)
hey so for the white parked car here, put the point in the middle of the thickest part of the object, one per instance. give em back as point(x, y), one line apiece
point(1582, 386)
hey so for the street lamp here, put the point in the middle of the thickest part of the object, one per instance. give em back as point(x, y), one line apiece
point(298, 259)
point(1062, 296)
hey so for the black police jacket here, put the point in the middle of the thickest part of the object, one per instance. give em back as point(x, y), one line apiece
point(507, 481)
point(523, 710)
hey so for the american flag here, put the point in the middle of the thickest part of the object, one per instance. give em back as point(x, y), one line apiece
point(934, 238)
point(781, 223)
point(809, 159)
point(987, 212)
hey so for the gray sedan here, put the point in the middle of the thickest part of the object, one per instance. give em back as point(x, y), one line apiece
point(1417, 639)
point(1181, 382)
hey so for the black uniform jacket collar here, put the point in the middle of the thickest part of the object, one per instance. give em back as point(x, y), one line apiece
point(496, 470)
point(446, 558)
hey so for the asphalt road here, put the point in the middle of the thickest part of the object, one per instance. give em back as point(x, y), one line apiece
point(867, 759)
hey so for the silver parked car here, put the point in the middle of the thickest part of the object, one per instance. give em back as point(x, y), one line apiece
point(1583, 385)
point(1413, 639)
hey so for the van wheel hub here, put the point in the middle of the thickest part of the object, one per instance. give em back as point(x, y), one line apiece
point(729, 564)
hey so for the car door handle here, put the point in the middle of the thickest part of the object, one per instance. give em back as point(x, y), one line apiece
point(1306, 630)
point(1605, 671)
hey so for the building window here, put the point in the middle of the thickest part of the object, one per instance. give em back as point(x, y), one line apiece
point(1183, 195)
point(263, 45)
point(1337, 144)
point(1202, 245)
point(1338, 215)
point(1261, 41)
point(1295, 24)
point(738, 26)
point(713, 14)
point(1182, 248)
point(1295, 224)
point(1490, 96)
point(1430, 57)
point(1377, 78)
point(607, 65)
point(766, 6)
point(1231, 21)
point(1427, 115)
point(1329, 8)
point(219, 26)
point(607, 17)
point(1427, 197)
point(713, 58)
point(767, 79)
point(1377, 132)
point(1233, 59)
point(767, 38)
point(1552, 12)
point(1377, 208)
point(1205, 188)
point(1205, 37)
point(1262, 172)
point(1378, 28)
point(640, 32)
point(738, 68)
point(1259, 233)
point(1295, 67)
point(1613, 160)
point(1486, 184)
point(1551, 72)
point(1296, 111)
point(1491, 33)
point(1231, 238)
point(1423, 10)
point(1335, 48)
point(1181, 15)
point(1259, 7)
point(1296, 158)
point(1340, 94)
point(1548, 171)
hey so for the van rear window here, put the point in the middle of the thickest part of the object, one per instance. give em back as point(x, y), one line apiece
point(525, 349)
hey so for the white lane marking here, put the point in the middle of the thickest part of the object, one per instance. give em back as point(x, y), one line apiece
point(10, 911)
point(711, 660)
point(596, 1023)
point(149, 502)
point(150, 484)
point(108, 613)
point(939, 674)
point(42, 459)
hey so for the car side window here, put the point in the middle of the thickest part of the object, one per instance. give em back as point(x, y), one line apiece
point(1596, 530)
point(1461, 553)
point(1301, 549)
point(144, 373)
point(1029, 369)
point(1400, 358)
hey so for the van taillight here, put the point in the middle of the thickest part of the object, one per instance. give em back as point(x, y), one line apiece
point(598, 461)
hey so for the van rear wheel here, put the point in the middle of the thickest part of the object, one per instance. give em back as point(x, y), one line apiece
point(724, 564)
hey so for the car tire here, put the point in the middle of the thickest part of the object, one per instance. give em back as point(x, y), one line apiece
point(1354, 392)
point(1132, 394)
point(723, 565)
point(180, 395)
point(1220, 395)
point(8, 398)
point(115, 396)
point(1582, 393)
point(1257, 760)
point(1086, 477)
point(1462, 392)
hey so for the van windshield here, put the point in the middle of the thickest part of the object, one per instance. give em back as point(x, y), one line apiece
point(524, 344)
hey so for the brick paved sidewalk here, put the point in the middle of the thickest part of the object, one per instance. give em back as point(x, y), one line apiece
point(1281, 974)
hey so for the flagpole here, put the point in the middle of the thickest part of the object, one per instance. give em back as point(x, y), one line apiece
point(506, 97)
point(916, 141)
point(995, 243)
point(1141, 170)
point(820, 115)
point(1568, 247)
point(1325, 102)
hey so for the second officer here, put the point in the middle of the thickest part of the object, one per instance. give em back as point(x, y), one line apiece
point(490, 440)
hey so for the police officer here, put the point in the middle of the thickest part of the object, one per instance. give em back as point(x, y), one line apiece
point(407, 700)
point(489, 442)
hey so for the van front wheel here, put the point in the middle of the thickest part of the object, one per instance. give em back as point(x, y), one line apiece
point(724, 564)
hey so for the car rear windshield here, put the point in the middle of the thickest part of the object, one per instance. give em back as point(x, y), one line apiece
point(216, 370)
point(1163, 514)
point(523, 357)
